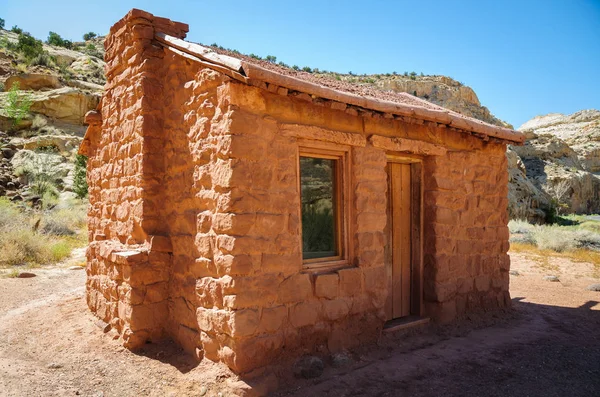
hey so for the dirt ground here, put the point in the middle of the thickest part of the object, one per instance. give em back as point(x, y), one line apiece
point(549, 345)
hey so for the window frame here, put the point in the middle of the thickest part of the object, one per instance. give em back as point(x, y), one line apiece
point(340, 153)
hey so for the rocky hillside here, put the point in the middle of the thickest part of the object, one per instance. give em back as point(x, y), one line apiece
point(558, 168)
point(441, 90)
point(46, 91)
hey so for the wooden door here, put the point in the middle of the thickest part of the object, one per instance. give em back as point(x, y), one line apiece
point(399, 247)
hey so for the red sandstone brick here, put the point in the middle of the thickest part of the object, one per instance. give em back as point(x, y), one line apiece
point(335, 309)
point(303, 314)
point(272, 318)
point(243, 322)
point(327, 285)
point(296, 288)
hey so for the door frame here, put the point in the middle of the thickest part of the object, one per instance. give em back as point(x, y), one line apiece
point(416, 227)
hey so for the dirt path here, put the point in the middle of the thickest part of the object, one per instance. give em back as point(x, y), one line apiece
point(549, 345)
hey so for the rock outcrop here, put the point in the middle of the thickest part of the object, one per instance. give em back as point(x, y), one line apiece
point(561, 158)
point(65, 104)
point(33, 81)
point(61, 87)
point(445, 92)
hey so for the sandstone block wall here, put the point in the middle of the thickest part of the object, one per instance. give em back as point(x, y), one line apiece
point(194, 215)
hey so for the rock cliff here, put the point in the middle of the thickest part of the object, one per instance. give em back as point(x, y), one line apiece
point(445, 92)
point(441, 90)
point(561, 160)
point(59, 86)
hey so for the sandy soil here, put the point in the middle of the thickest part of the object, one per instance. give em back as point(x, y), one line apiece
point(549, 345)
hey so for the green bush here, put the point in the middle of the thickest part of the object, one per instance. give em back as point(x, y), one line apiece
point(59, 251)
point(16, 29)
point(18, 104)
point(91, 50)
point(55, 39)
point(1, 23)
point(307, 69)
point(29, 46)
point(89, 35)
point(271, 58)
point(44, 189)
point(80, 186)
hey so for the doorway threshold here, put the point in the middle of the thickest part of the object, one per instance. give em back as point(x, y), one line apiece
point(404, 322)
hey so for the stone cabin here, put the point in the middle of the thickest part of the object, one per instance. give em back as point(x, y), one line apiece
point(253, 213)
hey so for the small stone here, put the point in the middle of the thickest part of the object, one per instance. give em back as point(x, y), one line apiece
point(26, 275)
point(341, 360)
point(553, 279)
point(309, 367)
point(203, 390)
point(76, 268)
point(105, 327)
point(594, 287)
point(54, 366)
point(514, 273)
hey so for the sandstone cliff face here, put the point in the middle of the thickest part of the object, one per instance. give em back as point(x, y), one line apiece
point(561, 158)
point(60, 92)
point(445, 92)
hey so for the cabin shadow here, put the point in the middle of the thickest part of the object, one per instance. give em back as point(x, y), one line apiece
point(168, 352)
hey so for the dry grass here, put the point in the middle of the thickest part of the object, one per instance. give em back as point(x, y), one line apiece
point(542, 256)
point(23, 243)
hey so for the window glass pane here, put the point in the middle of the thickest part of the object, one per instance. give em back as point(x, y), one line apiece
point(318, 186)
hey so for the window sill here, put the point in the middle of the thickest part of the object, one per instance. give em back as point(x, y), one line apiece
point(325, 267)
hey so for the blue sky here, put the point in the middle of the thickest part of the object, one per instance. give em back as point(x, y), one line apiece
point(523, 58)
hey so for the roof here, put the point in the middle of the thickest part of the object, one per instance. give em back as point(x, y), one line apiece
point(254, 72)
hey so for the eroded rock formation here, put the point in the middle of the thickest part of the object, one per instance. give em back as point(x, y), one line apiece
point(561, 159)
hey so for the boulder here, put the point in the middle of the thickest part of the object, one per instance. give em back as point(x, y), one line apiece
point(66, 145)
point(33, 81)
point(65, 104)
point(62, 55)
point(48, 163)
point(85, 85)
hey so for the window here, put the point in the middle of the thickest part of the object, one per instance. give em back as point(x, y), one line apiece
point(322, 177)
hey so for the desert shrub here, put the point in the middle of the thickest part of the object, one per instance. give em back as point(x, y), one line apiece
point(29, 46)
point(89, 35)
point(8, 213)
point(20, 243)
point(307, 69)
point(64, 222)
point(521, 232)
point(80, 186)
point(16, 29)
point(44, 188)
point(42, 59)
point(551, 238)
point(91, 50)
point(2, 23)
point(18, 104)
point(271, 58)
point(55, 39)
point(59, 251)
